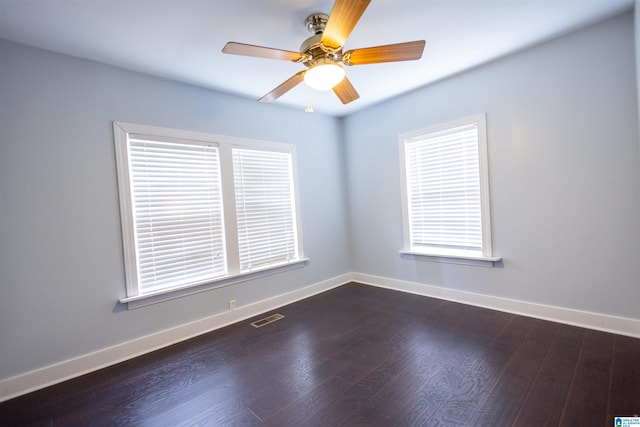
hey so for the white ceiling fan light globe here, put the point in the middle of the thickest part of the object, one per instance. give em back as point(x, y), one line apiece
point(324, 76)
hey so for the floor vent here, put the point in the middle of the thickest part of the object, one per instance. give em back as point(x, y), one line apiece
point(270, 319)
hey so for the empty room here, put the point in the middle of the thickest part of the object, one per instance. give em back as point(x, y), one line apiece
point(319, 213)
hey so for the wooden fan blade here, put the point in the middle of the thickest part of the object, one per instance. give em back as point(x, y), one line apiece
point(389, 53)
point(262, 52)
point(284, 87)
point(343, 18)
point(345, 91)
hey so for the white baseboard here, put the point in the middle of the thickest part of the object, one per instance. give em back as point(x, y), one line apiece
point(585, 319)
point(53, 374)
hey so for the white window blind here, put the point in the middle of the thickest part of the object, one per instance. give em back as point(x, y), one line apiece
point(177, 213)
point(444, 189)
point(265, 208)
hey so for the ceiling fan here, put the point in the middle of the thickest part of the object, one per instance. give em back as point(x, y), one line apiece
point(322, 53)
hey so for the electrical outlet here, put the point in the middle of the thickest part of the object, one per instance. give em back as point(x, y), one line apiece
point(232, 304)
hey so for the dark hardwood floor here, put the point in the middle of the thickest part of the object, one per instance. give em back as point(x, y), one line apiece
point(359, 355)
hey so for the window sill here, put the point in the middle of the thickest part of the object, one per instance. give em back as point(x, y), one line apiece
point(169, 294)
point(452, 259)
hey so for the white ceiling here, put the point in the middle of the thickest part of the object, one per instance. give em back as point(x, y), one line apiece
point(182, 39)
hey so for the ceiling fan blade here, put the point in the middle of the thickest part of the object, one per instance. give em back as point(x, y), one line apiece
point(284, 87)
point(345, 91)
point(262, 52)
point(343, 18)
point(389, 53)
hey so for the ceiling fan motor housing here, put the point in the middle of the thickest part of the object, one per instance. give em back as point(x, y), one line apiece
point(315, 51)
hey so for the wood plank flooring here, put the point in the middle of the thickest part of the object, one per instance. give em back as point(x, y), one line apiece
point(360, 356)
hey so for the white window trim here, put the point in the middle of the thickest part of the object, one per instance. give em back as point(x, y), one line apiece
point(178, 292)
point(225, 145)
point(487, 259)
point(452, 259)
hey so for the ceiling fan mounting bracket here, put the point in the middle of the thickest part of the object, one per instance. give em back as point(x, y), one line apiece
point(316, 22)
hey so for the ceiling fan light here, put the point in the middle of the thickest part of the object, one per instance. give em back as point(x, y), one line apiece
point(324, 76)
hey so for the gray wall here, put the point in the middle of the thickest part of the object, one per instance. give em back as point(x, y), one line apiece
point(564, 173)
point(61, 267)
point(637, 40)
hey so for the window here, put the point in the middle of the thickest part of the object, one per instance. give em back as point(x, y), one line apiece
point(264, 206)
point(176, 212)
point(199, 209)
point(445, 181)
